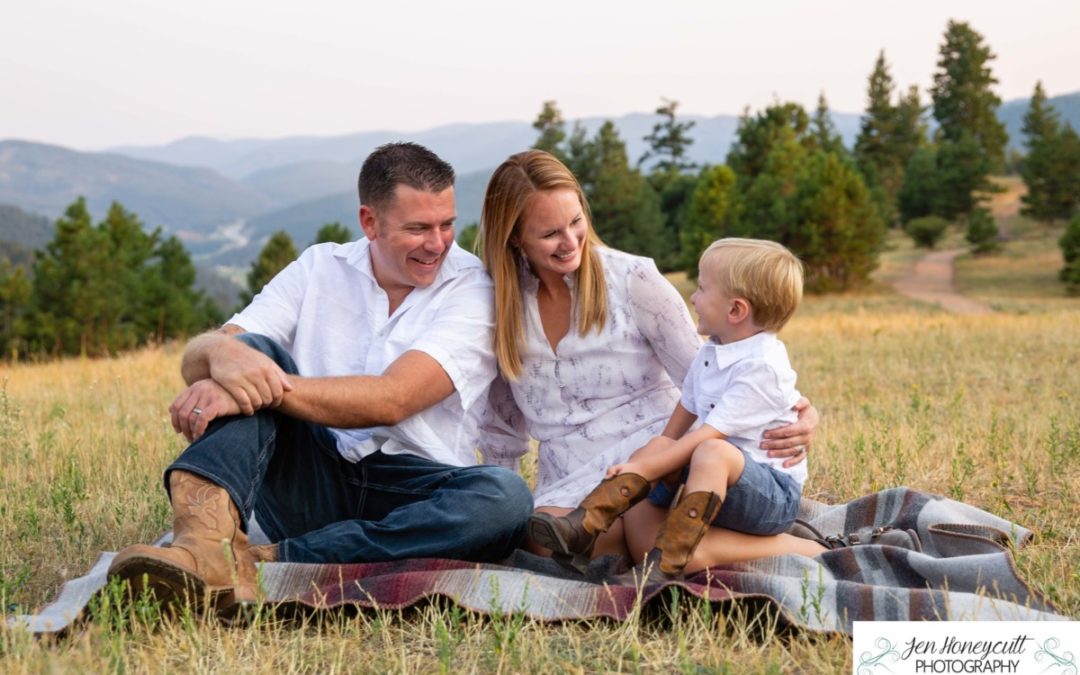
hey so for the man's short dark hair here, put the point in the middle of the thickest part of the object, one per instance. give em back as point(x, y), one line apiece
point(401, 163)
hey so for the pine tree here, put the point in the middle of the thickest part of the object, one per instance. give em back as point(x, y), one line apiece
point(552, 128)
point(173, 308)
point(15, 292)
point(918, 195)
point(982, 232)
point(668, 142)
point(69, 288)
point(888, 136)
point(278, 252)
point(823, 130)
point(581, 157)
point(971, 138)
point(625, 209)
point(1065, 196)
point(909, 130)
point(706, 214)
point(873, 146)
point(1041, 130)
point(333, 232)
point(1070, 251)
point(668, 175)
point(837, 230)
point(766, 156)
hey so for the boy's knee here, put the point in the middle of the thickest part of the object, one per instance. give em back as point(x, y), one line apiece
point(717, 451)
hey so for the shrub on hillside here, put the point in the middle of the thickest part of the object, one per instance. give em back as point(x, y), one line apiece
point(1070, 250)
point(926, 231)
point(982, 232)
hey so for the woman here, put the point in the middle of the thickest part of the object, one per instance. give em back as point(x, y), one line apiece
point(593, 344)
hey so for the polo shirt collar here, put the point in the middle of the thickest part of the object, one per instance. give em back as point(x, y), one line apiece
point(725, 355)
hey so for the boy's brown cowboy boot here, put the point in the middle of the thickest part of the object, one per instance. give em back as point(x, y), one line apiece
point(686, 524)
point(880, 536)
point(209, 556)
point(571, 537)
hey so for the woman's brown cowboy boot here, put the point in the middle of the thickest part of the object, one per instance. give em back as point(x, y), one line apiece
point(686, 524)
point(209, 556)
point(571, 537)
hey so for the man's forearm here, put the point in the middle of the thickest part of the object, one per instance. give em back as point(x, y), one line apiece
point(413, 382)
point(350, 402)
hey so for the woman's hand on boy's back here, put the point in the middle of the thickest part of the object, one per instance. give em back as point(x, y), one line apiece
point(794, 440)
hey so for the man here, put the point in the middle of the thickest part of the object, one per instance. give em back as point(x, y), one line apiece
point(341, 406)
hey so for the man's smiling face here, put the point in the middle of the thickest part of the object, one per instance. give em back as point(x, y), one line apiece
point(410, 237)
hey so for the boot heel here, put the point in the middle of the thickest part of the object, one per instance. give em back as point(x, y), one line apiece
point(544, 533)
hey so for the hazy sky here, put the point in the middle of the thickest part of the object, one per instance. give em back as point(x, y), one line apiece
point(107, 72)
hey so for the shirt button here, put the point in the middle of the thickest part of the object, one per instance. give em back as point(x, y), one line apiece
point(706, 364)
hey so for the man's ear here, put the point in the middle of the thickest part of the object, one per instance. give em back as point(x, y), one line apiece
point(369, 222)
point(739, 311)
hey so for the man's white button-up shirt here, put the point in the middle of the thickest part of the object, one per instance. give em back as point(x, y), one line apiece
point(328, 311)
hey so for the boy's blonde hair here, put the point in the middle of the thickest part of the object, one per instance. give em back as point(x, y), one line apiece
point(765, 273)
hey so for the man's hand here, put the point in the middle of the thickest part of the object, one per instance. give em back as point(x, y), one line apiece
point(793, 441)
point(250, 378)
point(199, 405)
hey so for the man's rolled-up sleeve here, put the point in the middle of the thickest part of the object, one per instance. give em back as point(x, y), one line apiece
point(460, 338)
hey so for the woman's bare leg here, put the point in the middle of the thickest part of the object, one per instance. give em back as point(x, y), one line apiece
point(611, 542)
point(718, 546)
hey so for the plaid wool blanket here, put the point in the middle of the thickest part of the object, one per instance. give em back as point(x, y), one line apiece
point(965, 571)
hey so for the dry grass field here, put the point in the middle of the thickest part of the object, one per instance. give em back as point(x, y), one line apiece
point(980, 408)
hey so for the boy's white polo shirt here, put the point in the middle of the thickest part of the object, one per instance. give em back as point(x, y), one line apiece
point(328, 311)
point(742, 389)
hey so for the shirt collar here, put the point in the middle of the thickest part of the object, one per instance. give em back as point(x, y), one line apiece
point(725, 355)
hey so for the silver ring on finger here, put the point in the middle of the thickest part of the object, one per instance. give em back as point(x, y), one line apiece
point(196, 411)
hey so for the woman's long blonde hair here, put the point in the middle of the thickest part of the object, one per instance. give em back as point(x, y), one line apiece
point(513, 183)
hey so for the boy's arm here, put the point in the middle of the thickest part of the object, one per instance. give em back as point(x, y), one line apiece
point(663, 455)
point(681, 419)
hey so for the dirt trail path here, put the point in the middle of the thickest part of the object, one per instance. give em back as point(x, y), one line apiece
point(931, 279)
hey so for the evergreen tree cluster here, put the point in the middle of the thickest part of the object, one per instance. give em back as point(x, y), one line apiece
point(789, 178)
point(1051, 168)
point(99, 289)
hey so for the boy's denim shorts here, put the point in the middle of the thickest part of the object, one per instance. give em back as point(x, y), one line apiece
point(763, 501)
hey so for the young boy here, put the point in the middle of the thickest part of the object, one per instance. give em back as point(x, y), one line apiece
point(740, 385)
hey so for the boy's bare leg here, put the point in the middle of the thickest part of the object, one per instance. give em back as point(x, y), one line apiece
point(718, 546)
point(611, 542)
point(714, 467)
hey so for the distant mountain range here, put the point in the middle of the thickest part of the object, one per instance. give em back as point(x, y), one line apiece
point(225, 198)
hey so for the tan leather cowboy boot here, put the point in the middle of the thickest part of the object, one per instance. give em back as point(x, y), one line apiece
point(571, 537)
point(686, 524)
point(209, 554)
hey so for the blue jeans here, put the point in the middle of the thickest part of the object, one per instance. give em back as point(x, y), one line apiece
point(319, 507)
